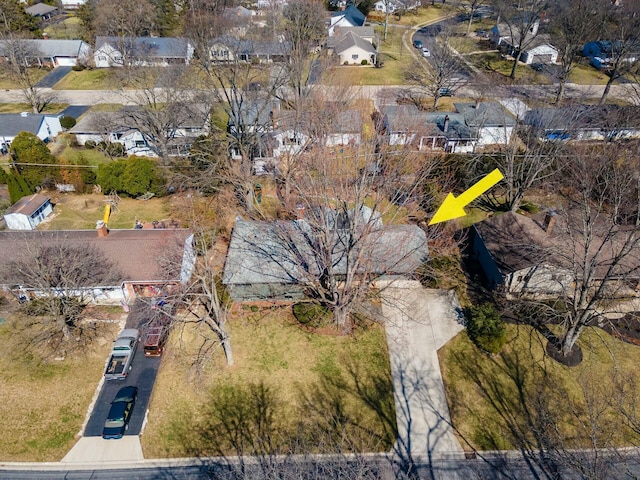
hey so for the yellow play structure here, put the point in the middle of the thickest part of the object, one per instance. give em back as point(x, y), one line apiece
point(107, 213)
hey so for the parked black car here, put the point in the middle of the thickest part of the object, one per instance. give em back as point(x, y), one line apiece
point(120, 413)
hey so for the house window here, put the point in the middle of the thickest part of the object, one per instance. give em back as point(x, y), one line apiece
point(140, 144)
point(519, 278)
point(102, 58)
point(354, 56)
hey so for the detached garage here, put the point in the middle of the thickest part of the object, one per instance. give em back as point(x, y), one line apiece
point(543, 53)
point(28, 212)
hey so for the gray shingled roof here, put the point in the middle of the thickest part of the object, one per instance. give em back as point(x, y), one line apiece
point(162, 47)
point(584, 116)
point(48, 48)
point(485, 114)
point(352, 40)
point(39, 9)
point(340, 32)
point(281, 252)
point(11, 124)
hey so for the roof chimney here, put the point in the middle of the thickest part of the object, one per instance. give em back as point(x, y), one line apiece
point(300, 211)
point(445, 128)
point(102, 229)
point(550, 221)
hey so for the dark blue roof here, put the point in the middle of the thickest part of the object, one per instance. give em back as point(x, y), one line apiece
point(354, 16)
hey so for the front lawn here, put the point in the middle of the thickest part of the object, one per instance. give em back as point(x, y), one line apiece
point(80, 212)
point(521, 389)
point(290, 388)
point(44, 401)
point(35, 74)
point(25, 107)
point(419, 16)
point(89, 79)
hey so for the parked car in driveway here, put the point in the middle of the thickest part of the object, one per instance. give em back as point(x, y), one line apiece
point(417, 43)
point(426, 52)
point(120, 413)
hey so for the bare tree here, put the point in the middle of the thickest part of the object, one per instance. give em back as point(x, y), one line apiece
point(622, 33)
point(303, 31)
point(521, 21)
point(471, 8)
point(22, 55)
point(571, 31)
point(61, 275)
point(440, 73)
point(131, 19)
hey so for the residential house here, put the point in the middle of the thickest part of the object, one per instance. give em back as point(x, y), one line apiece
point(41, 11)
point(140, 256)
point(585, 122)
point(535, 256)
point(491, 122)
point(355, 50)
point(72, 4)
point(45, 127)
point(52, 53)
point(536, 48)
point(275, 260)
point(349, 17)
point(365, 32)
point(471, 126)
point(123, 127)
point(345, 129)
point(231, 49)
point(28, 212)
point(142, 51)
point(391, 6)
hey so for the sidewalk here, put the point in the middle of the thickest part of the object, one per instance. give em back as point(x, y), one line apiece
point(418, 322)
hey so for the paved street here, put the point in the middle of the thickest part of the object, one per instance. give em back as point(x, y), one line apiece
point(418, 322)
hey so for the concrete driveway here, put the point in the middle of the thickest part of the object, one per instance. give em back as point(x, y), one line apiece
point(418, 322)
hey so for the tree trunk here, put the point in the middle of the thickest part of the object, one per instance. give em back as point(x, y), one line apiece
point(570, 338)
point(341, 317)
point(386, 22)
point(228, 353)
point(469, 23)
point(515, 64)
point(607, 88)
point(560, 92)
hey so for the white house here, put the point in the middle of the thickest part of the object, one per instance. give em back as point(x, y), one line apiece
point(492, 123)
point(72, 4)
point(390, 6)
point(45, 127)
point(137, 255)
point(354, 50)
point(539, 53)
point(28, 212)
point(345, 129)
point(349, 17)
point(142, 51)
point(54, 53)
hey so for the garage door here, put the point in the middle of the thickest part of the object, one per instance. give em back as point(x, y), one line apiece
point(541, 59)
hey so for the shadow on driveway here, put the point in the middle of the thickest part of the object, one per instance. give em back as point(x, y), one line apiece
point(53, 77)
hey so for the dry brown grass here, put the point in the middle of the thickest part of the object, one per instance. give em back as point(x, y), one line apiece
point(44, 400)
point(269, 347)
point(80, 212)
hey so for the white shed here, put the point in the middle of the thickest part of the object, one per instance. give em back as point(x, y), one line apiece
point(544, 53)
point(28, 212)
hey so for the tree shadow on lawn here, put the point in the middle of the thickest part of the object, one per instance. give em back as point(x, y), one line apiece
point(254, 432)
point(524, 405)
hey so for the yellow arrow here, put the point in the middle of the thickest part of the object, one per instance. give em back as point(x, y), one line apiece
point(453, 207)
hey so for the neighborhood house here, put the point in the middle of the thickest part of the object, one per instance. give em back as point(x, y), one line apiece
point(28, 212)
point(45, 127)
point(141, 51)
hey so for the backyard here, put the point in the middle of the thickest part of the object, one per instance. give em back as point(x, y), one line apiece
point(80, 212)
point(318, 391)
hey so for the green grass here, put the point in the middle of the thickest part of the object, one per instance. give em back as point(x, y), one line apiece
point(291, 367)
point(587, 75)
point(488, 395)
point(71, 155)
point(25, 107)
point(68, 29)
point(35, 73)
point(44, 401)
point(80, 212)
point(419, 16)
point(89, 79)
